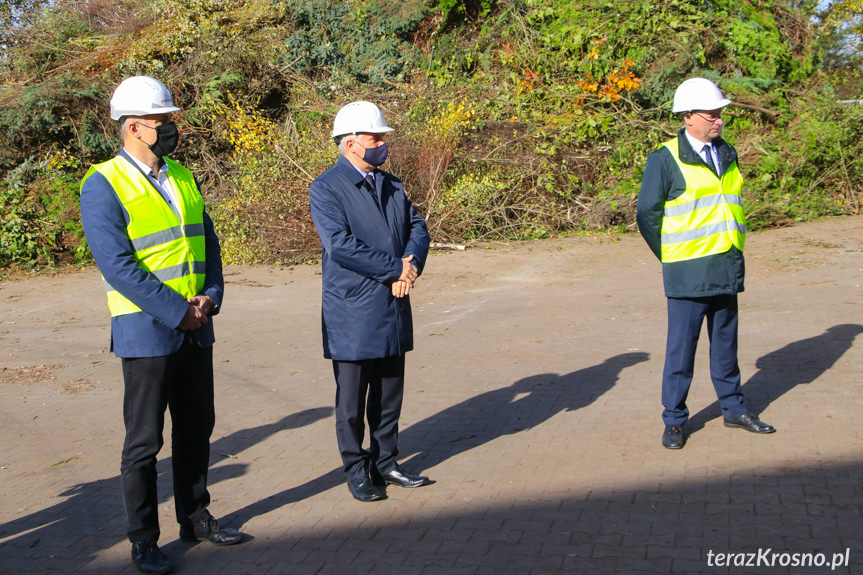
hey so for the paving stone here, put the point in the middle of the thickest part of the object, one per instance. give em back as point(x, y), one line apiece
point(486, 430)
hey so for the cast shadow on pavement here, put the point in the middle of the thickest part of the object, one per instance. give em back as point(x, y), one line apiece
point(798, 363)
point(638, 527)
point(93, 511)
point(523, 405)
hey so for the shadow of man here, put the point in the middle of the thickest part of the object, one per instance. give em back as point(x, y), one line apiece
point(798, 363)
point(523, 405)
point(94, 510)
point(478, 420)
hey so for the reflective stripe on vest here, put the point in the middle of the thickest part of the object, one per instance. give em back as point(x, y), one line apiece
point(172, 249)
point(707, 218)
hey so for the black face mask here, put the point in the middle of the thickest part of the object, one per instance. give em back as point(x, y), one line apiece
point(167, 138)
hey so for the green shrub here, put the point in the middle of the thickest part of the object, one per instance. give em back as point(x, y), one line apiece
point(513, 120)
point(39, 220)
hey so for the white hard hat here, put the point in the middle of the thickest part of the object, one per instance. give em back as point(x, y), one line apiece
point(359, 117)
point(140, 96)
point(698, 94)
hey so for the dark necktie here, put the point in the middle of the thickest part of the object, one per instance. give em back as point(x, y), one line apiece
point(708, 151)
point(369, 182)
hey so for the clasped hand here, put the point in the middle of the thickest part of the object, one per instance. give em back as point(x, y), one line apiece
point(402, 286)
point(197, 313)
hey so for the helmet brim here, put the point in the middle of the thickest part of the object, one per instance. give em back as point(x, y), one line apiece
point(707, 106)
point(117, 114)
point(369, 131)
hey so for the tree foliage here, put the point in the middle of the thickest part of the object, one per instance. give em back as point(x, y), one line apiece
point(515, 119)
point(844, 18)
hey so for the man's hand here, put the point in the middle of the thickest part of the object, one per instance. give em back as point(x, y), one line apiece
point(204, 303)
point(410, 273)
point(401, 288)
point(194, 317)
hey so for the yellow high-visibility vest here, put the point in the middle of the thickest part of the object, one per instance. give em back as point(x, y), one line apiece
point(172, 248)
point(707, 218)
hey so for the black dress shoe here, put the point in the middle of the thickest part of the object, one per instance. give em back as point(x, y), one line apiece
point(209, 530)
point(672, 437)
point(401, 478)
point(148, 558)
point(363, 489)
point(750, 423)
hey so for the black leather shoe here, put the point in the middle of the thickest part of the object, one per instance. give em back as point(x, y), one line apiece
point(672, 437)
point(363, 489)
point(750, 423)
point(401, 478)
point(210, 531)
point(148, 558)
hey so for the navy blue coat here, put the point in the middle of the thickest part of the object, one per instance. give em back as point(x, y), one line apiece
point(363, 246)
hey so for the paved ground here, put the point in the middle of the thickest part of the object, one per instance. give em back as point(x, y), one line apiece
point(532, 399)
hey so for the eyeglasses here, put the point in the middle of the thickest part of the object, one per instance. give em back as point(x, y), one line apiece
point(708, 118)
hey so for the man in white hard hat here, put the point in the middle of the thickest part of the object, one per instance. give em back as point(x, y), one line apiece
point(146, 227)
point(690, 213)
point(374, 247)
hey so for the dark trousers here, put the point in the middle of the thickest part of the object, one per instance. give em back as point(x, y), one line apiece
point(685, 317)
point(372, 388)
point(182, 381)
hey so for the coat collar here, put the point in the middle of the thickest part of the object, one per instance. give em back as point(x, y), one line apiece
point(128, 157)
point(346, 169)
point(726, 153)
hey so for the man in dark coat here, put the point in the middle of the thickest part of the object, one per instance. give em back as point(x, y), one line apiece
point(690, 213)
point(374, 247)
